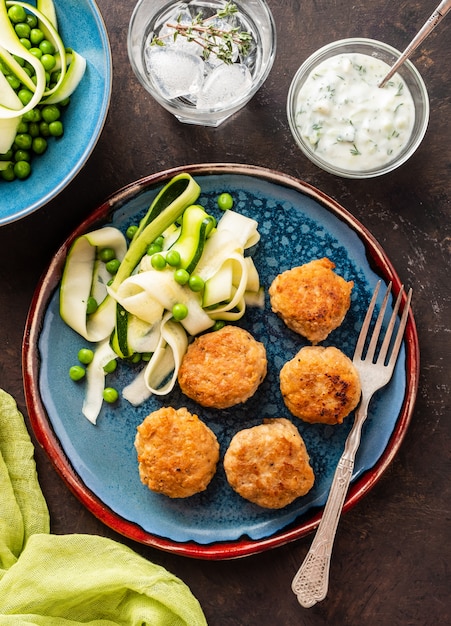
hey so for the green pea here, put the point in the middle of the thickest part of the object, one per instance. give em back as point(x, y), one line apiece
point(225, 201)
point(218, 325)
point(179, 311)
point(85, 355)
point(13, 81)
point(107, 254)
point(110, 395)
point(32, 116)
point(146, 356)
point(23, 141)
point(47, 47)
point(181, 276)
point(48, 61)
point(22, 128)
point(112, 266)
point(173, 258)
point(159, 241)
point(44, 129)
point(158, 261)
point(110, 367)
point(91, 305)
point(17, 14)
point(153, 249)
point(50, 113)
point(8, 173)
point(39, 145)
point(22, 155)
point(7, 156)
point(25, 42)
point(33, 129)
point(22, 169)
point(36, 36)
point(135, 358)
point(196, 283)
point(56, 76)
point(131, 231)
point(31, 20)
point(36, 52)
point(56, 129)
point(25, 95)
point(77, 372)
point(19, 60)
point(22, 30)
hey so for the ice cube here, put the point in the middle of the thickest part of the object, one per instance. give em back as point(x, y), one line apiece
point(225, 84)
point(174, 72)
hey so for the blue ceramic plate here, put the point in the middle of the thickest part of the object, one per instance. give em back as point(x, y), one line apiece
point(297, 224)
point(81, 27)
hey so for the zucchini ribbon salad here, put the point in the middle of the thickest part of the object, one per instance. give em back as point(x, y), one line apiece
point(38, 74)
point(141, 296)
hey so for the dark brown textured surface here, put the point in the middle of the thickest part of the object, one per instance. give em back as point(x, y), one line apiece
point(391, 557)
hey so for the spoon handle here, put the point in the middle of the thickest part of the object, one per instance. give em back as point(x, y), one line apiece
point(427, 28)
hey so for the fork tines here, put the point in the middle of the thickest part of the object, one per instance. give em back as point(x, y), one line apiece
point(378, 324)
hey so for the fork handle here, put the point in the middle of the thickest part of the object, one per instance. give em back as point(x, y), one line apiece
point(310, 583)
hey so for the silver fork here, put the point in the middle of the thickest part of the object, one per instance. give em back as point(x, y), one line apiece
point(311, 581)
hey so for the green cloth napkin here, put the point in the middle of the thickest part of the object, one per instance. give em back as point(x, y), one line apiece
point(74, 579)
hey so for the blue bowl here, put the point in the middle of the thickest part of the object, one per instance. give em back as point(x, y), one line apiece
point(82, 28)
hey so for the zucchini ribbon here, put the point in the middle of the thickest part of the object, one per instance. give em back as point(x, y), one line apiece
point(135, 311)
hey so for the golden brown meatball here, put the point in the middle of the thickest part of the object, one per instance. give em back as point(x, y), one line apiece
point(177, 452)
point(223, 368)
point(311, 299)
point(269, 464)
point(320, 385)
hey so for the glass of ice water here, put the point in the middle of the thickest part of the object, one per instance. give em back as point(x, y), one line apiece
point(200, 64)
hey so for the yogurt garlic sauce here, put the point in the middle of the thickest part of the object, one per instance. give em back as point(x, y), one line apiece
point(347, 119)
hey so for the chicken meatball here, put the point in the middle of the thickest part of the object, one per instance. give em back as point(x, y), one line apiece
point(269, 464)
point(223, 368)
point(311, 299)
point(177, 452)
point(320, 385)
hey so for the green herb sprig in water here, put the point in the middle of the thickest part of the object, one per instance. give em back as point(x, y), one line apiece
point(213, 40)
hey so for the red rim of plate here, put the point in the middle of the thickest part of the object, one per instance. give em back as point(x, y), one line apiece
point(50, 443)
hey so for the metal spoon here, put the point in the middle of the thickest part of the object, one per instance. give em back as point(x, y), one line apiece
point(426, 30)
